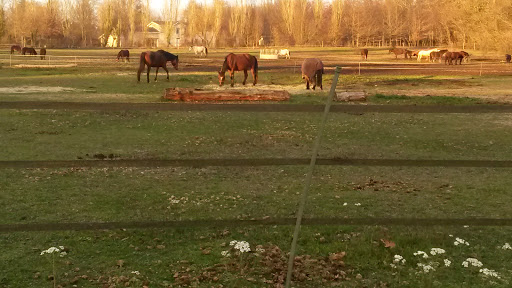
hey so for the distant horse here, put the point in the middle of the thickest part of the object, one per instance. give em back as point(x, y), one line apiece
point(426, 54)
point(42, 52)
point(29, 51)
point(15, 48)
point(457, 56)
point(124, 55)
point(436, 55)
point(364, 54)
point(239, 62)
point(409, 53)
point(285, 53)
point(398, 51)
point(312, 70)
point(156, 59)
point(466, 56)
point(508, 57)
point(199, 50)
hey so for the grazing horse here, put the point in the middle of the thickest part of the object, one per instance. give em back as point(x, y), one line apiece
point(450, 56)
point(124, 55)
point(426, 54)
point(398, 51)
point(364, 54)
point(42, 52)
point(156, 59)
point(312, 70)
point(240, 62)
point(199, 50)
point(15, 48)
point(29, 51)
point(436, 55)
point(285, 53)
point(508, 58)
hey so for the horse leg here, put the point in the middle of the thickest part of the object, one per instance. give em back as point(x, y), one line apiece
point(319, 79)
point(156, 74)
point(254, 76)
point(165, 68)
point(307, 83)
point(232, 76)
point(149, 68)
point(245, 77)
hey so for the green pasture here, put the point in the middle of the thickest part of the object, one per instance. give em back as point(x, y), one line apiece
point(190, 256)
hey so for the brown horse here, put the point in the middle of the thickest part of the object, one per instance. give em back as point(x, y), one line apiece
point(156, 59)
point(437, 55)
point(312, 70)
point(508, 57)
point(124, 55)
point(457, 56)
point(29, 51)
point(398, 51)
point(364, 54)
point(42, 52)
point(15, 48)
point(240, 62)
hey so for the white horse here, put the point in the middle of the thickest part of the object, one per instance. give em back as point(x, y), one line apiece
point(199, 50)
point(426, 54)
point(284, 52)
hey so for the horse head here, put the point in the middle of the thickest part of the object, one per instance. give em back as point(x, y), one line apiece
point(175, 63)
point(222, 77)
point(190, 48)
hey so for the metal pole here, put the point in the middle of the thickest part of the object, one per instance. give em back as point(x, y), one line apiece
point(307, 184)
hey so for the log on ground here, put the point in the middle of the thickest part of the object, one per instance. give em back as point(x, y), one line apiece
point(198, 95)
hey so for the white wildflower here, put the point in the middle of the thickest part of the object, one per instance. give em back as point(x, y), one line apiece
point(474, 262)
point(233, 243)
point(260, 250)
point(225, 253)
point(398, 259)
point(425, 255)
point(488, 272)
point(51, 250)
point(459, 241)
point(136, 273)
point(392, 265)
point(435, 251)
point(242, 246)
point(345, 204)
point(447, 263)
point(63, 253)
point(506, 247)
point(358, 204)
point(466, 226)
point(426, 268)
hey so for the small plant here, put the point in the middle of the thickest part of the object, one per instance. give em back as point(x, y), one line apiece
point(50, 255)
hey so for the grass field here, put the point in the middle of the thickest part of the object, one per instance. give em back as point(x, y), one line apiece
point(194, 255)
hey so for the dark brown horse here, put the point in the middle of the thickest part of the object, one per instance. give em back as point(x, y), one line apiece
point(398, 51)
point(437, 55)
point(457, 56)
point(240, 62)
point(156, 59)
point(364, 54)
point(29, 51)
point(508, 58)
point(15, 48)
point(42, 52)
point(312, 70)
point(124, 55)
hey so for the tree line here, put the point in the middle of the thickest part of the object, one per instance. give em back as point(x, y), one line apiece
point(468, 24)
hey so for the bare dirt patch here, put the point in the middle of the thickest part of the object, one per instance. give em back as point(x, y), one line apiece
point(35, 89)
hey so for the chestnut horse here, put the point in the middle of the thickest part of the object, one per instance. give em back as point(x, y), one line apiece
point(457, 56)
point(312, 70)
point(436, 55)
point(508, 57)
point(29, 51)
point(123, 54)
point(364, 54)
point(15, 48)
point(156, 59)
point(42, 52)
point(240, 62)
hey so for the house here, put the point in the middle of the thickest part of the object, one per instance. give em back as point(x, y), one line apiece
point(156, 35)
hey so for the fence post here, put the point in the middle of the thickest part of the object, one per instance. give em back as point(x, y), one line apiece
point(359, 68)
point(49, 60)
point(10, 60)
point(75, 61)
point(307, 183)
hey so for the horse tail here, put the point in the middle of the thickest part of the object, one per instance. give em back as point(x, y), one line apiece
point(255, 68)
point(142, 64)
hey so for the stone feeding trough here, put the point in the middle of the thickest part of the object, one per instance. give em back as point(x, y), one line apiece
point(199, 95)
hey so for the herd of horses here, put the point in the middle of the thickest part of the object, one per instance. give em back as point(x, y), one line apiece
point(433, 55)
point(28, 51)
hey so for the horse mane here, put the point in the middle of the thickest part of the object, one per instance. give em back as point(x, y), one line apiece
point(167, 55)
